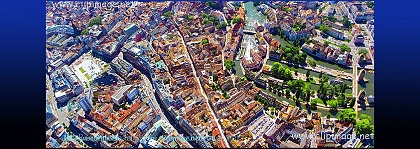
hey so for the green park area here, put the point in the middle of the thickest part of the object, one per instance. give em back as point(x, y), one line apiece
point(82, 70)
point(87, 76)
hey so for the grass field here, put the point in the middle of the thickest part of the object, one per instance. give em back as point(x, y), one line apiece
point(87, 76)
point(82, 70)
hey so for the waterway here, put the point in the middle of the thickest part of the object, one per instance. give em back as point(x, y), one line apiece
point(238, 69)
point(369, 90)
point(368, 87)
point(253, 15)
point(329, 65)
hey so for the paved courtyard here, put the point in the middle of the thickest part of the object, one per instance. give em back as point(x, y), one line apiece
point(86, 69)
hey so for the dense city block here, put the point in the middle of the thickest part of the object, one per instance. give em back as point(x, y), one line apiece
point(222, 74)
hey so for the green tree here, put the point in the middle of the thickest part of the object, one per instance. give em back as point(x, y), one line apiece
point(363, 127)
point(275, 68)
point(204, 41)
point(307, 96)
point(223, 25)
point(346, 22)
point(370, 4)
point(215, 77)
point(168, 14)
point(214, 51)
point(280, 72)
point(236, 19)
point(347, 40)
point(212, 5)
point(287, 50)
point(342, 88)
point(217, 26)
point(306, 87)
point(323, 28)
point(302, 58)
point(225, 94)
point(342, 101)
point(229, 64)
point(364, 116)
point(332, 19)
point(324, 78)
point(362, 51)
point(296, 58)
point(348, 115)
point(123, 106)
point(312, 63)
point(352, 101)
point(333, 104)
point(212, 18)
point(288, 74)
point(190, 17)
point(205, 21)
point(345, 48)
point(95, 21)
point(326, 43)
point(84, 32)
point(308, 73)
point(313, 104)
point(329, 92)
point(287, 91)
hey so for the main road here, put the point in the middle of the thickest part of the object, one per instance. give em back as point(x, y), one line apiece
point(355, 84)
point(60, 113)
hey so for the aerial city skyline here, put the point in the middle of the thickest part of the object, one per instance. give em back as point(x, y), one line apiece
point(225, 74)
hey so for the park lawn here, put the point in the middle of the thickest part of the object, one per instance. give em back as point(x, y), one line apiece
point(317, 100)
point(87, 76)
point(82, 70)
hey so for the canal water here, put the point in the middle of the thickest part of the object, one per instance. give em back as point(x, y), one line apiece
point(369, 90)
point(238, 69)
point(281, 40)
point(251, 17)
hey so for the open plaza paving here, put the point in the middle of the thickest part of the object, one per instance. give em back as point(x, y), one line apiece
point(260, 125)
point(87, 69)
